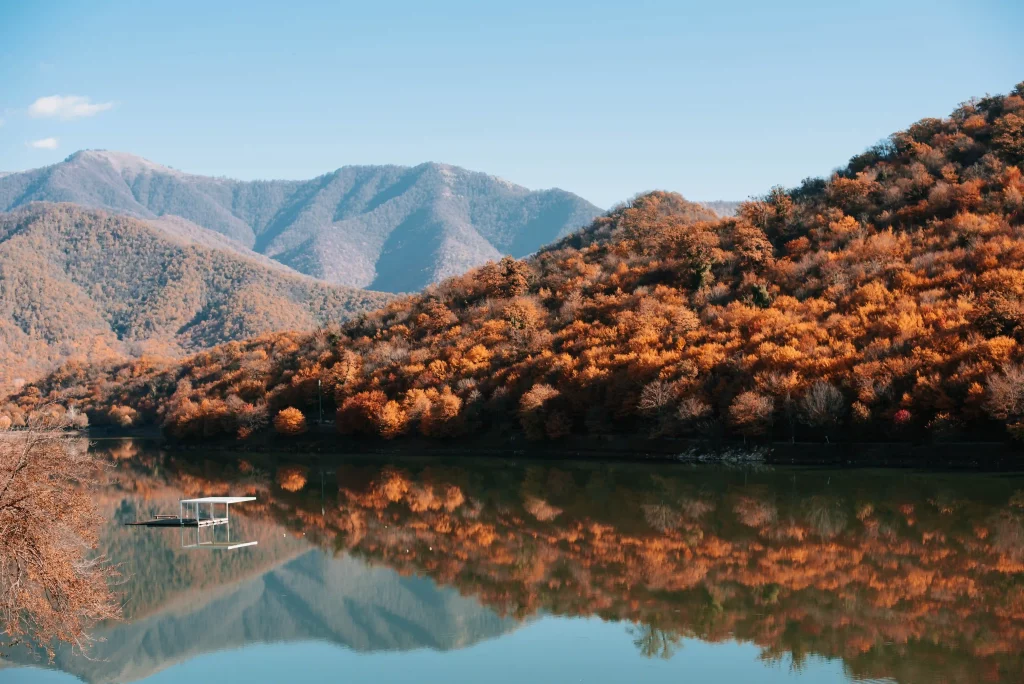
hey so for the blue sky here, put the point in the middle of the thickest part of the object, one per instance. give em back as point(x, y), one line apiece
point(606, 99)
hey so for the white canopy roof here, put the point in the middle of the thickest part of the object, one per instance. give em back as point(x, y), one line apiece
point(230, 546)
point(220, 499)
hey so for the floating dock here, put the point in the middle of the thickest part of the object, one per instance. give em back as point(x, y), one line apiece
point(201, 513)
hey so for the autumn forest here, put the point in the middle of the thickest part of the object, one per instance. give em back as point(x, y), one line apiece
point(512, 343)
point(885, 302)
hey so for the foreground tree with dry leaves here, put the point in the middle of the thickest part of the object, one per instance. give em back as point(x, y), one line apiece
point(53, 584)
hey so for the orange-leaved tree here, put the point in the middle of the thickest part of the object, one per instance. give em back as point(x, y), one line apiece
point(290, 421)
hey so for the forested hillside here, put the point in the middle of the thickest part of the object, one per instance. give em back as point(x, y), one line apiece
point(886, 301)
point(82, 284)
point(389, 228)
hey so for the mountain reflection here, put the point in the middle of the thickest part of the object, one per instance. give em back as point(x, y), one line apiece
point(311, 597)
point(900, 575)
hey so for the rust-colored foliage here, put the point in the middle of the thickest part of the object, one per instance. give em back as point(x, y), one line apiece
point(886, 301)
point(292, 478)
point(290, 421)
point(898, 582)
point(81, 285)
point(53, 584)
point(124, 416)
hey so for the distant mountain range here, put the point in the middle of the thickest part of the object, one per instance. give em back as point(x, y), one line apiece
point(81, 282)
point(389, 228)
point(723, 208)
point(175, 262)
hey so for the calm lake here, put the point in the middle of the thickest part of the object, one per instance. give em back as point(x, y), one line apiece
point(390, 569)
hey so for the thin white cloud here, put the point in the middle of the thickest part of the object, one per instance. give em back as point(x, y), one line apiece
point(44, 144)
point(66, 107)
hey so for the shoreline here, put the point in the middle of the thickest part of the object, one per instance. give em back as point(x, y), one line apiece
point(324, 441)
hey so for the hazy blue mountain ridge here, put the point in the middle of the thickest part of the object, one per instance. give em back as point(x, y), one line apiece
point(388, 228)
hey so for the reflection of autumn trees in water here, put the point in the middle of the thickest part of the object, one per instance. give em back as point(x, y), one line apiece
point(900, 576)
point(653, 642)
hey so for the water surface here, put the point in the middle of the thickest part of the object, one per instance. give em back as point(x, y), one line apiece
point(468, 570)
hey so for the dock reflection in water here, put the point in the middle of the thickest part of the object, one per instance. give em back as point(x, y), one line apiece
point(192, 522)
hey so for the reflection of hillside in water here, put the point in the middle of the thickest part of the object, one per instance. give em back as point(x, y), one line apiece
point(917, 578)
point(181, 603)
point(312, 597)
point(901, 575)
